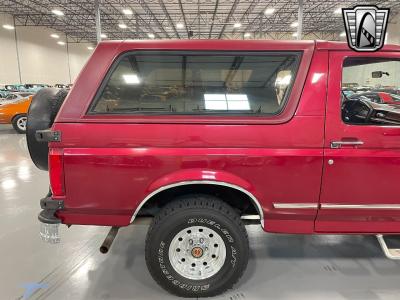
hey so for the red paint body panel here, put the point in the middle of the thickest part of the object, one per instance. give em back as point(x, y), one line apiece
point(362, 175)
point(144, 157)
point(112, 163)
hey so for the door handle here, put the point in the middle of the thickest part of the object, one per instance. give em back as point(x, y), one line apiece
point(339, 144)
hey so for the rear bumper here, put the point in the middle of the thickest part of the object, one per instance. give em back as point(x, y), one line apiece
point(49, 208)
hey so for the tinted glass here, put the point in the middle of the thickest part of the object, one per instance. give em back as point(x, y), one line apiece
point(198, 84)
point(371, 91)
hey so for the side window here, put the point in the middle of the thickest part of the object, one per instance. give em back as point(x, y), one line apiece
point(198, 84)
point(371, 91)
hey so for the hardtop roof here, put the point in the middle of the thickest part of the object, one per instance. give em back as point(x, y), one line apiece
point(236, 45)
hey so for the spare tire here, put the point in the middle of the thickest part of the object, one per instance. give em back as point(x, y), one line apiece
point(41, 114)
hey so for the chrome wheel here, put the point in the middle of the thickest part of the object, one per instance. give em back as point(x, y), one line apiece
point(197, 252)
point(21, 123)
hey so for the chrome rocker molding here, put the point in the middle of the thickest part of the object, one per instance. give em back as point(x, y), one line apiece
point(360, 206)
point(221, 183)
point(334, 206)
point(296, 205)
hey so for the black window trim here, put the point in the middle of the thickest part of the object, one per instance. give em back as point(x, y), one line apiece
point(117, 60)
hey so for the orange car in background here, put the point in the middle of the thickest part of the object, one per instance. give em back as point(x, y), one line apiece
point(15, 113)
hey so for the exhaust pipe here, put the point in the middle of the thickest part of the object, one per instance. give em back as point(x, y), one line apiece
point(105, 247)
point(109, 239)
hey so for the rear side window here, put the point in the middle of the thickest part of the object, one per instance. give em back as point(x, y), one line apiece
point(176, 83)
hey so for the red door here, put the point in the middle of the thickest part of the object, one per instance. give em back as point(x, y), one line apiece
point(361, 181)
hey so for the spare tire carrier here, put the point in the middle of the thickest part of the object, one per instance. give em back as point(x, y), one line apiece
point(48, 135)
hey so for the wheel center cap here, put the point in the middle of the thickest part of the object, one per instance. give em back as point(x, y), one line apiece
point(197, 252)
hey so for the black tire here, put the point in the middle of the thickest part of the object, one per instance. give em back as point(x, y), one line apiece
point(196, 211)
point(42, 112)
point(19, 123)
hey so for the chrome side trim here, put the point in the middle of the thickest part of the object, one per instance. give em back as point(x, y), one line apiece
point(221, 183)
point(250, 217)
point(360, 206)
point(296, 205)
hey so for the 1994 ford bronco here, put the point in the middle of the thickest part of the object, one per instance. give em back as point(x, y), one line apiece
point(206, 136)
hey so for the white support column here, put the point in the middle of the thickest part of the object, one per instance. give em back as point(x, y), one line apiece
point(98, 20)
point(68, 62)
point(300, 21)
point(17, 50)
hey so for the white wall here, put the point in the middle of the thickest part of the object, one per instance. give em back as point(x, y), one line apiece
point(8, 54)
point(78, 55)
point(363, 74)
point(393, 30)
point(41, 59)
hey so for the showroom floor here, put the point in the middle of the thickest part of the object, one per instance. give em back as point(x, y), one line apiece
point(280, 266)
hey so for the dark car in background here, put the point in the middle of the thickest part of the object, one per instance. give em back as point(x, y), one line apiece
point(395, 91)
point(377, 97)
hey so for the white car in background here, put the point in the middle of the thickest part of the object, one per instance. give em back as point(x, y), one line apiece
point(13, 97)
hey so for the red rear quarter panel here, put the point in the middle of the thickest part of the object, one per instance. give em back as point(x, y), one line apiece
point(113, 162)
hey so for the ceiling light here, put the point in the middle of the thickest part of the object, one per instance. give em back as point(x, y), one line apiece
point(8, 26)
point(61, 43)
point(127, 11)
point(269, 11)
point(57, 12)
point(247, 34)
point(103, 35)
point(237, 25)
point(8, 184)
point(295, 34)
point(131, 78)
point(122, 26)
point(342, 34)
point(338, 11)
point(90, 48)
point(54, 36)
point(294, 24)
point(285, 80)
point(179, 26)
point(150, 35)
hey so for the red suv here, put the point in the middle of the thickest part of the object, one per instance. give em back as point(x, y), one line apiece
point(206, 136)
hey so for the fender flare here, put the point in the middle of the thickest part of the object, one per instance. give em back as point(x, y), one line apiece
point(253, 199)
point(18, 114)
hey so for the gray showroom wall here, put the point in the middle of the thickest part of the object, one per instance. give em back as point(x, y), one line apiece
point(394, 30)
point(30, 55)
point(8, 54)
point(362, 74)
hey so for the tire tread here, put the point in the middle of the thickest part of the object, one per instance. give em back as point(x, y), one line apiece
point(194, 201)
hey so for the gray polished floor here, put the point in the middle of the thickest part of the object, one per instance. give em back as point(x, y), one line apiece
point(281, 266)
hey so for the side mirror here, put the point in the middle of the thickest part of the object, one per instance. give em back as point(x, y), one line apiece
point(379, 74)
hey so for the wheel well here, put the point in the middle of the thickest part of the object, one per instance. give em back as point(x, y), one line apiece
point(235, 198)
point(13, 118)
